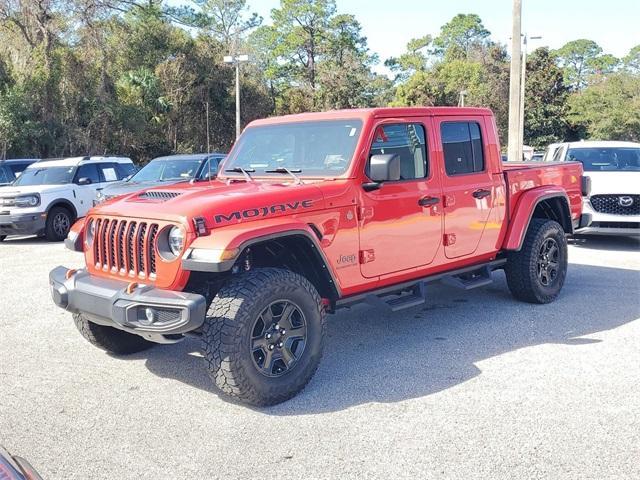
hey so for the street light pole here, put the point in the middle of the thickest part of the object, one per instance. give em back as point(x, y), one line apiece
point(236, 60)
point(514, 82)
point(522, 91)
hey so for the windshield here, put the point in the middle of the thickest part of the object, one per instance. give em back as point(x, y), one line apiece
point(606, 159)
point(6, 175)
point(46, 176)
point(168, 171)
point(320, 149)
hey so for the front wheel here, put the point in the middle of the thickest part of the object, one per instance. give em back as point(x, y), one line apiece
point(58, 224)
point(2, 237)
point(536, 273)
point(263, 336)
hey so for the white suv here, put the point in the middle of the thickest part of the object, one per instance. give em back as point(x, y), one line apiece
point(51, 194)
point(614, 170)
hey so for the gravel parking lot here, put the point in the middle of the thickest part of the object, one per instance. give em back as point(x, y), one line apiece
point(472, 385)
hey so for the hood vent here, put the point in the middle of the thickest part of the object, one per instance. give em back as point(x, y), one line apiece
point(158, 195)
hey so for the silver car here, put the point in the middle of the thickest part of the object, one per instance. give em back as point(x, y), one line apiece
point(165, 171)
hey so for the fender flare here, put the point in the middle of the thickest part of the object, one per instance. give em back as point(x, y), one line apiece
point(523, 214)
point(64, 203)
point(223, 248)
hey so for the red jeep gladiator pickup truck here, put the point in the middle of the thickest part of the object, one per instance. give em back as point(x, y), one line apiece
point(311, 213)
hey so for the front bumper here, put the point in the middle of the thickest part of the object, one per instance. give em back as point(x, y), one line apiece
point(22, 224)
point(161, 316)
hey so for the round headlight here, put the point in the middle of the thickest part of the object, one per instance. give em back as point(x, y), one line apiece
point(91, 232)
point(176, 241)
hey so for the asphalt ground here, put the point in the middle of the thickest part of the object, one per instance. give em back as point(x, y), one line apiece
point(471, 385)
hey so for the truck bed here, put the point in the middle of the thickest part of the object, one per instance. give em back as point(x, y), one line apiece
point(523, 176)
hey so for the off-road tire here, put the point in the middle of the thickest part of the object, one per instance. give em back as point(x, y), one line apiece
point(51, 231)
point(227, 334)
point(522, 266)
point(110, 339)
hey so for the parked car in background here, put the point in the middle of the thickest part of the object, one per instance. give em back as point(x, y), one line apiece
point(537, 156)
point(11, 169)
point(165, 171)
point(614, 172)
point(550, 152)
point(50, 195)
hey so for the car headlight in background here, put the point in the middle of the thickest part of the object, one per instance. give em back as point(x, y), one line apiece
point(176, 241)
point(27, 201)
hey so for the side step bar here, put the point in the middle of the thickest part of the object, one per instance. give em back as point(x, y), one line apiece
point(467, 281)
point(412, 294)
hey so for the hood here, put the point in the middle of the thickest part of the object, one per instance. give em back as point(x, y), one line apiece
point(218, 202)
point(618, 182)
point(123, 188)
point(15, 190)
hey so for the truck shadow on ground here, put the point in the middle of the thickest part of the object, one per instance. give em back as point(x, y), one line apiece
point(374, 356)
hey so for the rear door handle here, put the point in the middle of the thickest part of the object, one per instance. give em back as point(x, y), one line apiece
point(481, 193)
point(428, 201)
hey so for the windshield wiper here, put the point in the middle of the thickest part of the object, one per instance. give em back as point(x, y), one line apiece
point(287, 171)
point(244, 171)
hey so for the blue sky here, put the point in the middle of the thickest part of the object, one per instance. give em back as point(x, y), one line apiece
point(389, 24)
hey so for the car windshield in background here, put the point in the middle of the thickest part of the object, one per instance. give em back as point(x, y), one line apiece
point(606, 159)
point(168, 171)
point(46, 176)
point(321, 149)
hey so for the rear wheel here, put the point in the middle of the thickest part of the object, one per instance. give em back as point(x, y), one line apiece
point(263, 336)
point(59, 221)
point(537, 272)
point(110, 339)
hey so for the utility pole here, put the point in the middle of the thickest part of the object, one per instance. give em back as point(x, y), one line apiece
point(463, 93)
point(522, 85)
point(237, 60)
point(208, 135)
point(514, 83)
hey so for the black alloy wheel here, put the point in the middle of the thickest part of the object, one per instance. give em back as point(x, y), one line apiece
point(278, 338)
point(548, 262)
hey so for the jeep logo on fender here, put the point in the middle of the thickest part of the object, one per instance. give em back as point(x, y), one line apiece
point(263, 211)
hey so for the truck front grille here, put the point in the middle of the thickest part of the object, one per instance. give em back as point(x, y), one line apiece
point(124, 247)
point(616, 204)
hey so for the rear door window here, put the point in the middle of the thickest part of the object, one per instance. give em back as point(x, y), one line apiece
point(462, 147)
point(109, 172)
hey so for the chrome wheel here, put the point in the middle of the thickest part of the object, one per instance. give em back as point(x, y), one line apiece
point(278, 338)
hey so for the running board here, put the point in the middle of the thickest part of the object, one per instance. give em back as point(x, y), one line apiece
point(412, 294)
point(401, 300)
point(467, 281)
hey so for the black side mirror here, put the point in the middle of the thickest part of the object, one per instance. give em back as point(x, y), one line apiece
point(84, 181)
point(383, 168)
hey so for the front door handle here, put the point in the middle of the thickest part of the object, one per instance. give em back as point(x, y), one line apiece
point(481, 193)
point(428, 201)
